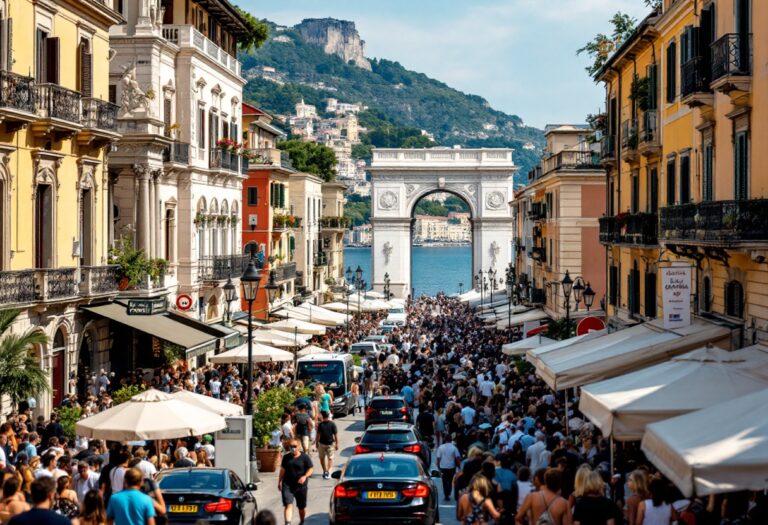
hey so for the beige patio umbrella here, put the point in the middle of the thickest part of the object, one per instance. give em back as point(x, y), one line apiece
point(342, 307)
point(261, 354)
point(150, 415)
point(318, 314)
point(302, 327)
point(218, 406)
point(312, 350)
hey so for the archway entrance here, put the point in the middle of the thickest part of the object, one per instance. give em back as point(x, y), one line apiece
point(85, 364)
point(401, 178)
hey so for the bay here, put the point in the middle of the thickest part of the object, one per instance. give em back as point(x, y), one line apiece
point(433, 269)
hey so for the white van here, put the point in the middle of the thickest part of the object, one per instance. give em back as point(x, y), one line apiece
point(397, 316)
point(336, 372)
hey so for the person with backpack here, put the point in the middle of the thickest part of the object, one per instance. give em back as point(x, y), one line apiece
point(546, 506)
point(476, 507)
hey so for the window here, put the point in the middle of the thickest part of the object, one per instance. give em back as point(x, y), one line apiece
point(650, 295)
point(168, 233)
point(734, 299)
point(741, 168)
point(47, 58)
point(86, 227)
point(167, 115)
point(43, 226)
point(685, 179)
point(611, 199)
point(706, 294)
point(671, 173)
point(707, 190)
point(653, 190)
point(201, 127)
point(671, 72)
point(85, 68)
point(613, 285)
point(653, 87)
point(253, 196)
point(635, 208)
point(634, 290)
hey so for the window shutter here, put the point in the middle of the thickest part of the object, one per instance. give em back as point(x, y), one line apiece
point(52, 60)
point(167, 114)
point(671, 72)
point(201, 128)
point(707, 190)
point(653, 86)
point(40, 62)
point(685, 180)
point(613, 277)
point(6, 44)
point(742, 166)
point(630, 293)
point(653, 185)
point(671, 182)
point(86, 71)
point(650, 295)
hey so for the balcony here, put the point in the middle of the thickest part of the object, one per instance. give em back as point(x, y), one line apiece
point(188, 37)
point(17, 288)
point(320, 259)
point(608, 150)
point(629, 140)
point(17, 98)
point(56, 284)
point(284, 222)
point(539, 253)
point(221, 267)
point(636, 229)
point(260, 157)
point(58, 109)
point(649, 143)
point(694, 83)
point(732, 63)
point(99, 121)
point(571, 160)
point(224, 159)
point(716, 223)
point(98, 280)
point(334, 223)
point(537, 211)
point(177, 153)
point(285, 272)
point(538, 296)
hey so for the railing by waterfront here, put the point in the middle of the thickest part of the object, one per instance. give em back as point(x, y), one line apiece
point(716, 222)
point(16, 92)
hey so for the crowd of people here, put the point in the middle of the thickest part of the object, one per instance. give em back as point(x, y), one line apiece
point(507, 450)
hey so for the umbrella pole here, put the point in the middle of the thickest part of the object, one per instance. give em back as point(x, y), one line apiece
point(611, 445)
point(295, 352)
point(567, 426)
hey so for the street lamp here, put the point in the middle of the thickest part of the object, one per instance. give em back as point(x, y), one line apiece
point(348, 274)
point(589, 296)
point(250, 283)
point(580, 291)
point(272, 289)
point(567, 283)
point(461, 288)
point(510, 284)
point(230, 294)
point(386, 286)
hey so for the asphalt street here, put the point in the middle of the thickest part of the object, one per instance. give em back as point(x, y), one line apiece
point(320, 490)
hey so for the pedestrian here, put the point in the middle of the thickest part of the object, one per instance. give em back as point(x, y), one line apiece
point(546, 507)
point(13, 501)
point(476, 507)
point(592, 507)
point(326, 442)
point(130, 506)
point(265, 517)
point(448, 459)
point(355, 393)
point(65, 502)
point(42, 492)
point(182, 458)
point(302, 427)
point(93, 512)
point(656, 510)
point(425, 422)
point(295, 470)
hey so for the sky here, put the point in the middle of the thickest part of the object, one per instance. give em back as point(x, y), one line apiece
point(520, 55)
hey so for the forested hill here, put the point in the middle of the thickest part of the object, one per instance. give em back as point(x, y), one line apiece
point(397, 97)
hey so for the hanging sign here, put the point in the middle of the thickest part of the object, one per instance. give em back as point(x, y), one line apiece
point(676, 296)
point(146, 306)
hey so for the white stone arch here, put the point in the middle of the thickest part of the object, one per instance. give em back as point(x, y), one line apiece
point(202, 206)
point(224, 206)
point(214, 206)
point(426, 191)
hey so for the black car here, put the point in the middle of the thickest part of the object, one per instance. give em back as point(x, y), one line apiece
point(394, 437)
point(202, 495)
point(384, 488)
point(383, 409)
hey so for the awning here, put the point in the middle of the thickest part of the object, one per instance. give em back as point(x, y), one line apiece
point(532, 355)
point(320, 315)
point(159, 325)
point(520, 347)
point(231, 336)
point(624, 406)
point(537, 314)
point(723, 448)
point(624, 351)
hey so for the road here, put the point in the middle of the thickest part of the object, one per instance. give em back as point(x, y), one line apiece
point(320, 490)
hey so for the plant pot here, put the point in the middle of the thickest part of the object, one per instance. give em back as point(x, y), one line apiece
point(268, 458)
point(122, 285)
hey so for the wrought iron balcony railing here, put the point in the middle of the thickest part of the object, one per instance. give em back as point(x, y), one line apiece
point(17, 287)
point(285, 272)
point(649, 134)
point(629, 134)
point(16, 92)
point(539, 253)
point(55, 101)
point(538, 296)
point(578, 160)
point(732, 55)
point(99, 114)
point(334, 223)
point(56, 283)
point(537, 211)
point(222, 267)
point(608, 147)
point(695, 75)
point(639, 229)
point(97, 280)
point(221, 158)
point(320, 259)
point(716, 222)
point(177, 152)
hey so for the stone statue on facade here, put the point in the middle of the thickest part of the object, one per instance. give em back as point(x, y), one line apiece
point(133, 99)
point(495, 250)
point(387, 251)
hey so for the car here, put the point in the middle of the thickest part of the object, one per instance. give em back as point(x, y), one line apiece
point(383, 409)
point(394, 437)
point(397, 315)
point(206, 495)
point(379, 339)
point(364, 349)
point(384, 488)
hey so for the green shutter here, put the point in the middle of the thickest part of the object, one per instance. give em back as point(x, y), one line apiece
point(671, 182)
point(741, 170)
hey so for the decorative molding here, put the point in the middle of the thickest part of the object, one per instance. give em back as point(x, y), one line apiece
point(388, 200)
point(494, 200)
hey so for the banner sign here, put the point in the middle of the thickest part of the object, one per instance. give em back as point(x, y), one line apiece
point(147, 306)
point(676, 296)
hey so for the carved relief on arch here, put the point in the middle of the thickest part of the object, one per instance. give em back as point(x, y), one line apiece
point(86, 178)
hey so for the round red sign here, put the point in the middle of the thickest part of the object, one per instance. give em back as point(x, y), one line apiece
point(589, 323)
point(183, 302)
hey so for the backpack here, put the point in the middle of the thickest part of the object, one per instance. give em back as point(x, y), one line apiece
point(546, 518)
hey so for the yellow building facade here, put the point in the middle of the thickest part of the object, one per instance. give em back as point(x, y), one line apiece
point(57, 128)
point(695, 195)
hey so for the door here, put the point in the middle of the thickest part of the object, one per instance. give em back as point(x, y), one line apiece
point(58, 378)
point(43, 226)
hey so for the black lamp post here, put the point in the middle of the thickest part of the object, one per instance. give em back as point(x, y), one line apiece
point(250, 283)
point(461, 288)
point(386, 286)
point(567, 283)
point(272, 289)
point(230, 294)
point(580, 292)
point(589, 297)
point(348, 274)
point(510, 284)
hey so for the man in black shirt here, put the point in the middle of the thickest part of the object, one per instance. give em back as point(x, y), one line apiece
point(327, 441)
point(302, 427)
point(295, 471)
point(426, 423)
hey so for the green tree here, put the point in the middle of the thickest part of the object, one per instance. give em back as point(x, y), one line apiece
point(433, 208)
point(454, 203)
point(358, 209)
point(310, 157)
point(602, 47)
point(258, 31)
point(362, 152)
point(20, 374)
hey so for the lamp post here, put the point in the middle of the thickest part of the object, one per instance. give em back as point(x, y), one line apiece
point(386, 286)
point(580, 292)
point(272, 289)
point(230, 294)
point(461, 288)
point(510, 284)
point(348, 275)
point(359, 285)
point(250, 283)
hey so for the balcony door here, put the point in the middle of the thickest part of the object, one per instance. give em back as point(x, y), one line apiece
point(86, 227)
point(44, 226)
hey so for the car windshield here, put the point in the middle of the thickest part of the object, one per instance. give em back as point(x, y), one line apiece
point(192, 480)
point(386, 403)
point(384, 466)
point(396, 311)
point(387, 437)
point(329, 373)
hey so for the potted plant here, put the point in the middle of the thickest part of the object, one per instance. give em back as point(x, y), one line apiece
point(199, 219)
point(133, 264)
point(268, 409)
point(156, 269)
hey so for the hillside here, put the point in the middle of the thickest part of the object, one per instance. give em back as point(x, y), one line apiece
point(304, 70)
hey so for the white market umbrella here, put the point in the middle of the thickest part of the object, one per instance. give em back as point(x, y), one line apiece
point(520, 347)
point(312, 350)
point(290, 313)
point(374, 305)
point(371, 294)
point(722, 448)
point(150, 415)
point(218, 406)
point(320, 315)
point(302, 327)
point(265, 336)
point(342, 307)
point(261, 354)
point(624, 406)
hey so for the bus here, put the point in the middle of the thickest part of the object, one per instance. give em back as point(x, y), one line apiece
point(336, 372)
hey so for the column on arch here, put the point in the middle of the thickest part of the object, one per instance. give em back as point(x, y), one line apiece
point(391, 255)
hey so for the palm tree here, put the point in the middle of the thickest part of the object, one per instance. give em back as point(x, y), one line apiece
point(20, 374)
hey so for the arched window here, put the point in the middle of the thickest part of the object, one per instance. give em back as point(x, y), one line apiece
point(706, 294)
point(734, 299)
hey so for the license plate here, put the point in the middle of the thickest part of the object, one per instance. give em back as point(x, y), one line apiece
point(183, 508)
point(381, 494)
point(386, 412)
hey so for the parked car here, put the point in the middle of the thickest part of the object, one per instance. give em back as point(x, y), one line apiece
point(397, 315)
point(394, 437)
point(381, 339)
point(389, 488)
point(202, 495)
point(364, 349)
point(383, 409)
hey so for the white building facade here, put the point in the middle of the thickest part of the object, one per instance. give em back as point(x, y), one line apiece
point(306, 199)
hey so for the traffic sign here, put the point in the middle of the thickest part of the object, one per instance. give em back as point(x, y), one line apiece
point(589, 323)
point(183, 302)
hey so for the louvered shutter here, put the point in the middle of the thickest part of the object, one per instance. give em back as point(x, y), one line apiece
point(86, 71)
point(52, 60)
point(671, 182)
